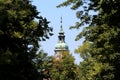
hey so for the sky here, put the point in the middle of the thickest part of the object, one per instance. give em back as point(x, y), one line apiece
point(47, 8)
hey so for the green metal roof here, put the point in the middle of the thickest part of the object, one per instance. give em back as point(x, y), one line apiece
point(61, 46)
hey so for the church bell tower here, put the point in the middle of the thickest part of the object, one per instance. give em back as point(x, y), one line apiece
point(61, 47)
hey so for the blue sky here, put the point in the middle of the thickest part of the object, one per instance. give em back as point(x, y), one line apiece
point(47, 8)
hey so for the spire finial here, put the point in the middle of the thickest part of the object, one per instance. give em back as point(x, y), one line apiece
point(61, 29)
point(61, 22)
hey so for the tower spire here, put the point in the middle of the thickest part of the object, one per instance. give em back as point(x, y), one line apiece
point(61, 29)
point(61, 22)
point(61, 45)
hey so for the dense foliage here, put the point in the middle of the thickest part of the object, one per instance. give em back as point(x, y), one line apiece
point(64, 68)
point(102, 37)
point(43, 64)
point(19, 36)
